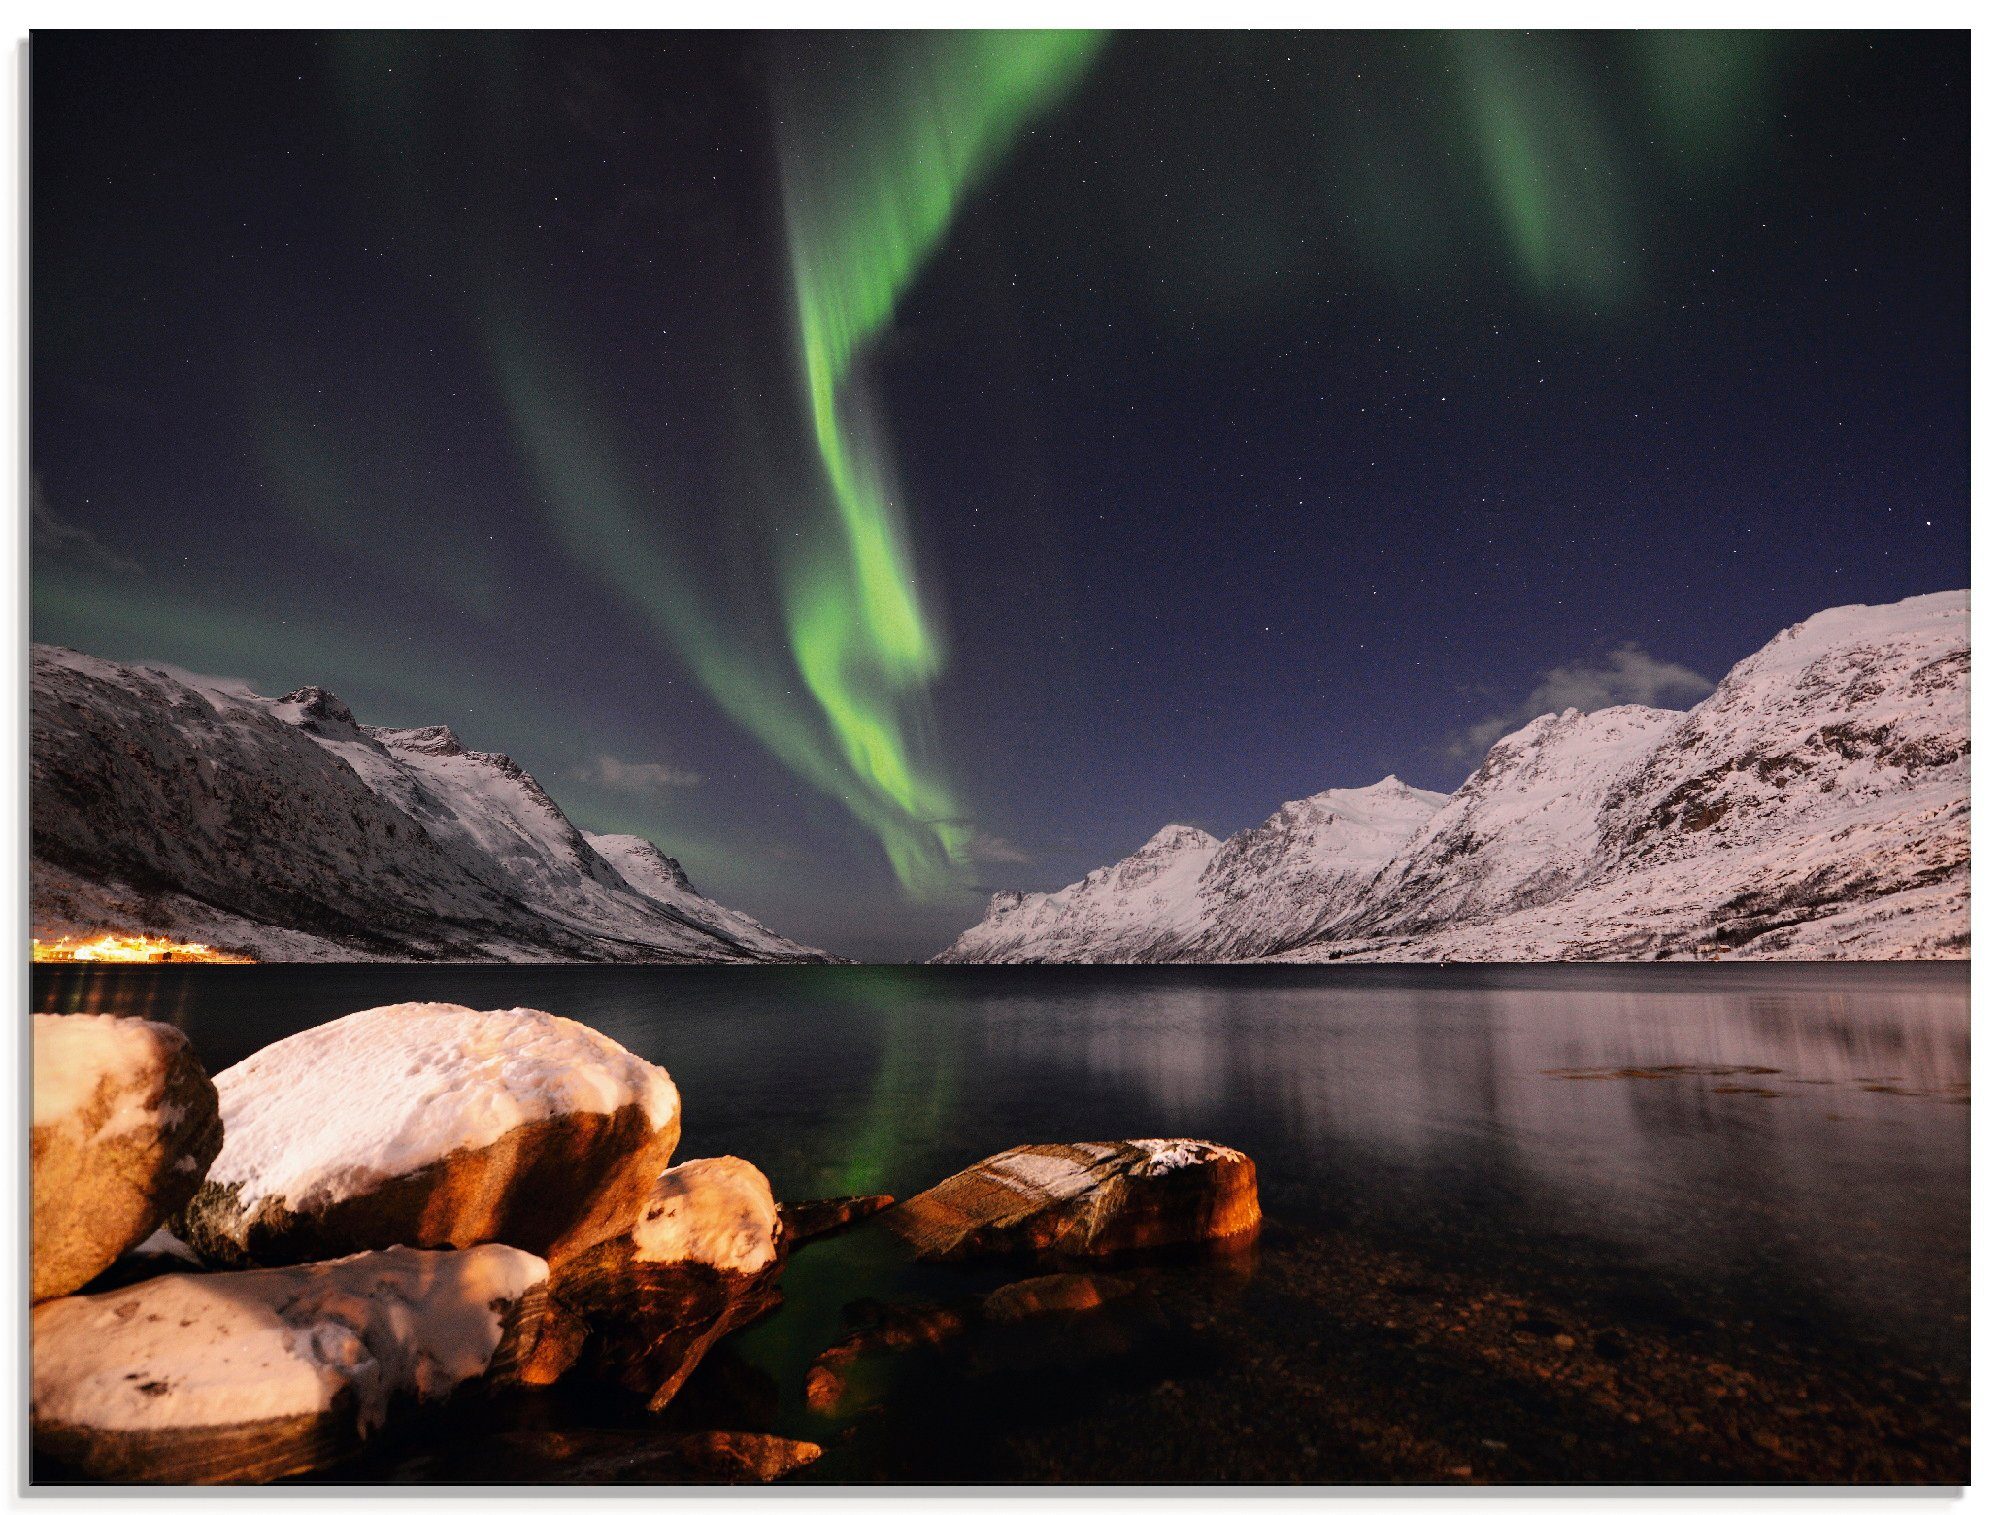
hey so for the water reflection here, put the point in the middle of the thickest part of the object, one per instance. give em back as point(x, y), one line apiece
point(1575, 1112)
point(1778, 1132)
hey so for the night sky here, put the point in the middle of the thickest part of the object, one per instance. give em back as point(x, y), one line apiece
point(885, 469)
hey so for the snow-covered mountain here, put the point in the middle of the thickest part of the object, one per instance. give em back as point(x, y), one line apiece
point(1138, 910)
point(1282, 881)
point(282, 828)
point(1520, 831)
point(1816, 805)
point(1184, 896)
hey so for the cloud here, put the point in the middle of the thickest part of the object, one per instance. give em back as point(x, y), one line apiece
point(53, 537)
point(987, 848)
point(638, 778)
point(1626, 675)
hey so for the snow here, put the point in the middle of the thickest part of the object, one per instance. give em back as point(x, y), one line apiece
point(713, 1210)
point(1163, 1155)
point(164, 1244)
point(1520, 829)
point(334, 1111)
point(194, 1350)
point(76, 1056)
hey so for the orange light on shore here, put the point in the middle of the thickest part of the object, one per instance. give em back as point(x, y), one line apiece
point(112, 948)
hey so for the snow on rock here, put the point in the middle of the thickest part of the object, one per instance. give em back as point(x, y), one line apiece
point(714, 1210)
point(1085, 1199)
point(124, 1126)
point(428, 1125)
point(206, 1377)
point(284, 829)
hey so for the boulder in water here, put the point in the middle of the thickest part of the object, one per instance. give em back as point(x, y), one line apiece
point(699, 1258)
point(1086, 1199)
point(430, 1125)
point(810, 1219)
point(124, 1127)
point(248, 1376)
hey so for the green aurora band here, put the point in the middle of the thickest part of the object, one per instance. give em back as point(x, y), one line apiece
point(871, 187)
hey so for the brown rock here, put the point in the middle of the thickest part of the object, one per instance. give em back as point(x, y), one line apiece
point(699, 1259)
point(124, 1127)
point(808, 1220)
point(1089, 1199)
point(745, 1456)
point(431, 1126)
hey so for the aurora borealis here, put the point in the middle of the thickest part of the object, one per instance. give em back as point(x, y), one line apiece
point(873, 171)
point(958, 453)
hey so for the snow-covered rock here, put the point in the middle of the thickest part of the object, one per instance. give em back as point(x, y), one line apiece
point(1085, 1199)
point(1816, 805)
point(124, 1126)
point(717, 1211)
point(284, 829)
point(429, 1125)
point(245, 1377)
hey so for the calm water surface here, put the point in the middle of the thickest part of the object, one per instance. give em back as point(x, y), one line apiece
point(1779, 1149)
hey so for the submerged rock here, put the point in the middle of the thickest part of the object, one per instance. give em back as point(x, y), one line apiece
point(745, 1456)
point(699, 1258)
point(1053, 1294)
point(808, 1220)
point(614, 1457)
point(1089, 1199)
point(1055, 1321)
point(250, 1376)
point(430, 1125)
point(124, 1127)
point(841, 1376)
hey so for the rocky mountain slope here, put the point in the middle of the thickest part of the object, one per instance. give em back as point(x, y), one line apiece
point(1184, 896)
point(284, 829)
point(1816, 805)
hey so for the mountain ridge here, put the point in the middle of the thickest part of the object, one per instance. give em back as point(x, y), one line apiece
point(1815, 805)
point(283, 828)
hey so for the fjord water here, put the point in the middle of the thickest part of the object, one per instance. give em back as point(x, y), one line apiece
point(1717, 1152)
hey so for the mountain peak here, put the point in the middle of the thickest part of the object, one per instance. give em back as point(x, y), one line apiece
point(1174, 837)
point(317, 704)
point(438, 741)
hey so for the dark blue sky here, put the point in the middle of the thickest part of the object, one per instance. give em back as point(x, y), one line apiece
point(1274, 413)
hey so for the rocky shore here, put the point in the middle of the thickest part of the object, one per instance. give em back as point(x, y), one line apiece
point(415, 1208)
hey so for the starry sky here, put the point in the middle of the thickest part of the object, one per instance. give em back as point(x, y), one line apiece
point(881, 469)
